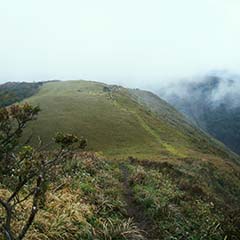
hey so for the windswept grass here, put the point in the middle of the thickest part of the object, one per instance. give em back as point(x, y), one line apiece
point(186, 205)
point(183, 181)
point(84, 202)
point(119, 122)
point(187, 199)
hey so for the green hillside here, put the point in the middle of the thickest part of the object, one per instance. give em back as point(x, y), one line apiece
point(147, 174)
point(118, 122)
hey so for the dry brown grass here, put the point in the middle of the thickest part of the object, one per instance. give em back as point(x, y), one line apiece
point(66, 212)
point(64, 216)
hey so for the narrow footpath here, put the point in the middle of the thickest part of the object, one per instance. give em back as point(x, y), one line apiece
point(135, 211)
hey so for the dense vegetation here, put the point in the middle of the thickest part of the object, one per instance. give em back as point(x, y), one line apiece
point(99, 199)
point(12, 92)
point(148, 174)
point(185, 201)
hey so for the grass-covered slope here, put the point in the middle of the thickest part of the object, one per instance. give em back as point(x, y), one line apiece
point(94, 199)
point(118, 122)
point(178, 184)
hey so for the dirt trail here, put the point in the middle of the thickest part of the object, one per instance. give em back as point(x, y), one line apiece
point(135, 211)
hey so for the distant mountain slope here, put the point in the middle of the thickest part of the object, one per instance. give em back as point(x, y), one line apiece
point(12, 92)
point(212, 104)
point(119, 122)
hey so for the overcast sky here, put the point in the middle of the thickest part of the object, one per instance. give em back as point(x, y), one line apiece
point(137, 43)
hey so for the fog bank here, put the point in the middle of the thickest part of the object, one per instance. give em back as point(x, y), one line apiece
point(137, 43)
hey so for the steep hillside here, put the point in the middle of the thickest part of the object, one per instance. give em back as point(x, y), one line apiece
point(212, 103)
point(12, 92)
point(148, 174)
point(119, 122)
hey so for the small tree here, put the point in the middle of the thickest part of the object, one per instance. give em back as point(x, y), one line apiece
point(24, 171)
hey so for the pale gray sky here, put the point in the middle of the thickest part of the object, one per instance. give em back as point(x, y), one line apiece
point(137, 43)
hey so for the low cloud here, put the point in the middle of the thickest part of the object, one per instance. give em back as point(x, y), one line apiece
point(216, 87)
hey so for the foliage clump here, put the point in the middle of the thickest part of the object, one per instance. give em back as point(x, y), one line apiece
point(12, 92)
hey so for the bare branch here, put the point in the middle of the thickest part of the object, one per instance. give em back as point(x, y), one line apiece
point(34, 209)
point(7, 224)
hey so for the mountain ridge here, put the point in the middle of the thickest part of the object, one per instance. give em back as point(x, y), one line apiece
point(121, 115)
point(143, 156)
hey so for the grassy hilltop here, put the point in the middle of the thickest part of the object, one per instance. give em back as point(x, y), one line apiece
point(148, 173)
point(118, 122)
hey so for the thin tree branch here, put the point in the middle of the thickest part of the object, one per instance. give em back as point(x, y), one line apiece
point(7, 225)
point(34, 209)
